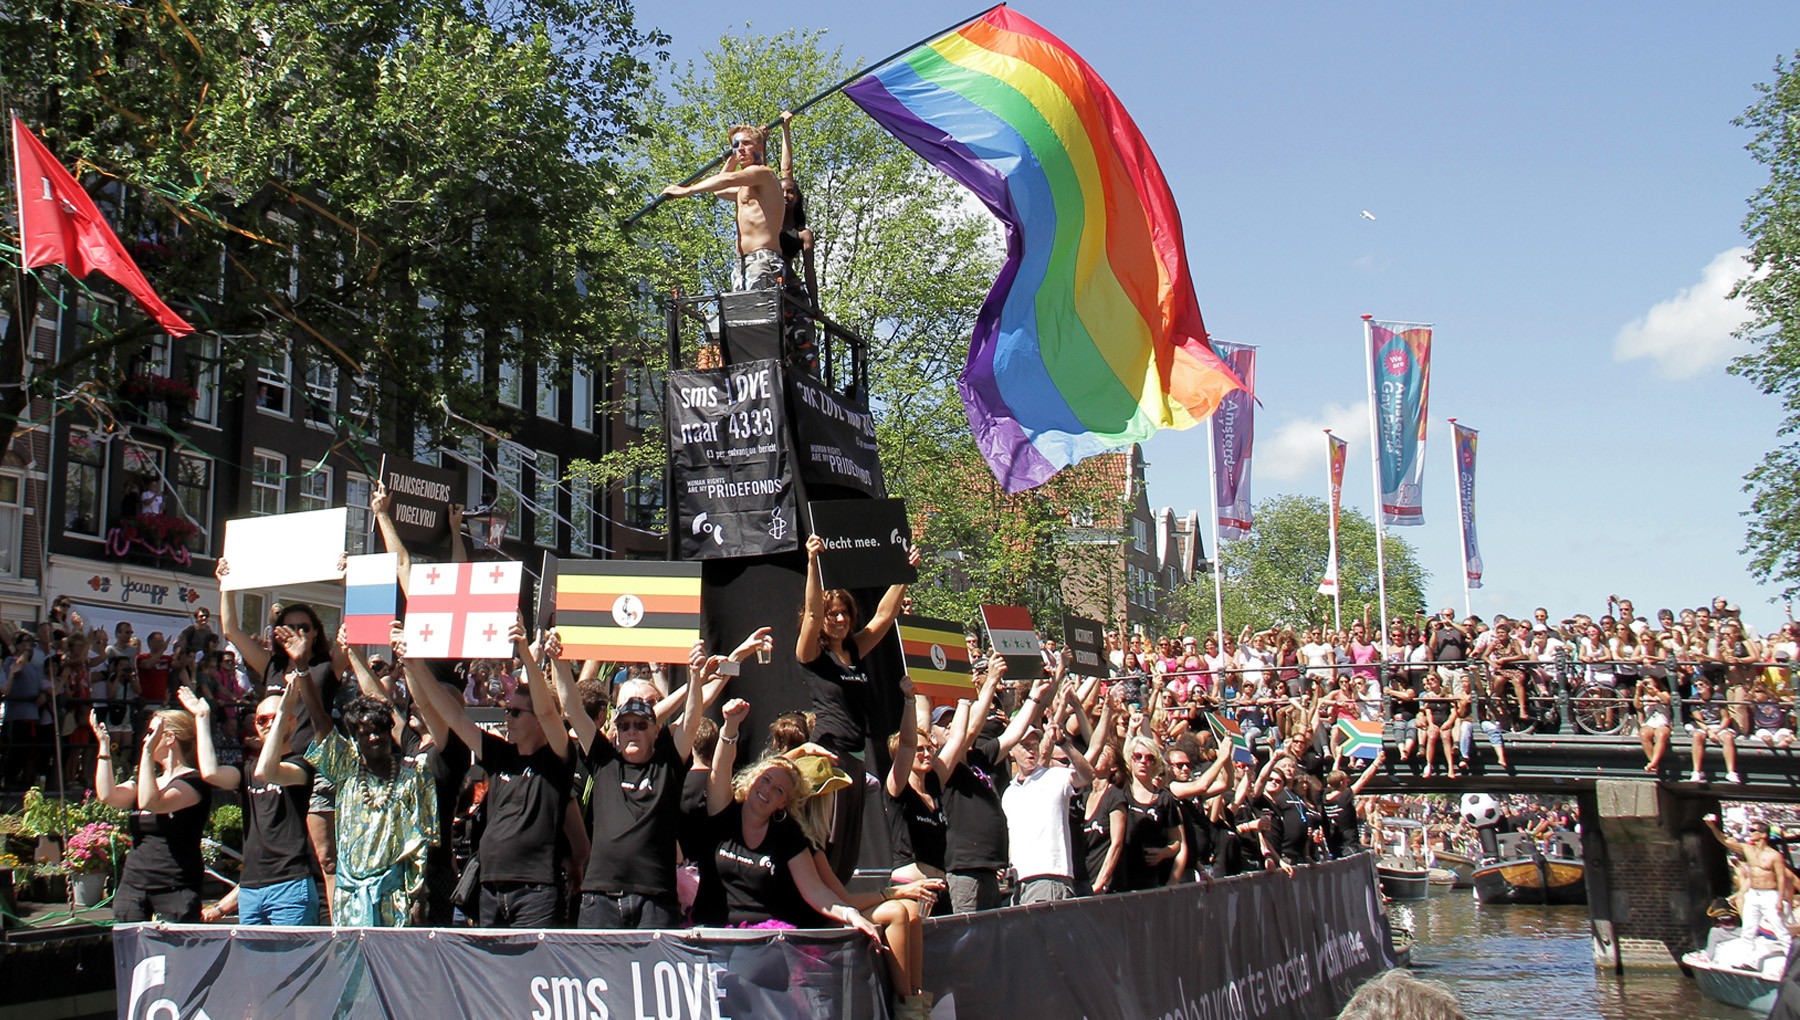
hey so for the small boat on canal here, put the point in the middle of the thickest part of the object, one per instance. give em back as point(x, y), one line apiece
point(1524, 871)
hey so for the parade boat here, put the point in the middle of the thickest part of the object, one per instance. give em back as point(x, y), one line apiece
point(1520, 870)
point(1403, 875)
point(1736, 971)
point(1462, 865)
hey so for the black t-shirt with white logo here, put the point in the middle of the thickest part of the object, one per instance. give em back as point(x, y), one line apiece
point(525, 800)
point(758, 881)
point(1096, 834)
point(840, 699)
point(276, 846)
point(977, 837)
point(1147, 826)
point(637, 815)
point(165, 849)
point(916, 829)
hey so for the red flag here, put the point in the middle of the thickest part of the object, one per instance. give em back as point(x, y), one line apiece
point(59, 223)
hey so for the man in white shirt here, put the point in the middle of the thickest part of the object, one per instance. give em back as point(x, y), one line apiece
point(1318, 656)
point(1036, 804)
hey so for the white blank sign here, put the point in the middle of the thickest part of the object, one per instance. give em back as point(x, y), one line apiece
point(265, 552)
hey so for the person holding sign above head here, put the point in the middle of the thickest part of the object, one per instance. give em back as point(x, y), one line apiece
point(831, 650)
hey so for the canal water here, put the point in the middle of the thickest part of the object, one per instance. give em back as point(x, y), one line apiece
point(1535, 963)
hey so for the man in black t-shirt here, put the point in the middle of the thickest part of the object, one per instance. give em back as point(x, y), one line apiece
point(528, 792)
point(971, 765)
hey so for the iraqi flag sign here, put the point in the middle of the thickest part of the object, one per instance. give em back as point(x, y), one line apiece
point(462, 610)
point(626, 610)
point(1014, 639)
point(1465, 500)
point(1400, 383)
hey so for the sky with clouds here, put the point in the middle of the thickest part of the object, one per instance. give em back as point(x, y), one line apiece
point(1557, 187)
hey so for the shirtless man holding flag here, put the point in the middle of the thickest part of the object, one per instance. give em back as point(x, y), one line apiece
point(750, 182)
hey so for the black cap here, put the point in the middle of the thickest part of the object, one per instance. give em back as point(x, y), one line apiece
point(636, 706)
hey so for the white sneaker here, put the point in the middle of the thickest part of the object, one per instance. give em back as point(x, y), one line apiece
point(1697, 777)
point(1733, 777)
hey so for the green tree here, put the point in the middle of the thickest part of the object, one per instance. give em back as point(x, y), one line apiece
point(401, 189)
point(1772, 291)
point(1272, 577)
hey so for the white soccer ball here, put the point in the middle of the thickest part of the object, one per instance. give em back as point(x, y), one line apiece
point(1479, 809)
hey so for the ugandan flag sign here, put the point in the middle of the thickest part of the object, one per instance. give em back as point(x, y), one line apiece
point(937, 658)
point(627, 611)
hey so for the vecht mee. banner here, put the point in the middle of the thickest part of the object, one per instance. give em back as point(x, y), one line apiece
point(1400, 359)
point(1465, 501)
point(1233, 430)
point(190, 971)
point(1335, 452)
point(1254, 947)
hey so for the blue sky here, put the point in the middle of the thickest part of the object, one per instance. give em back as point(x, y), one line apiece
point(1558, 187)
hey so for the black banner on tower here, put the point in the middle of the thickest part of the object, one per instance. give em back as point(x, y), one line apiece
point(835, 437)
point(734, 487)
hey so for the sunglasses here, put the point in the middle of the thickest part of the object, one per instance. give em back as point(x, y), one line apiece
point(633, 724)
point(1143, 757)
point(1181, 764)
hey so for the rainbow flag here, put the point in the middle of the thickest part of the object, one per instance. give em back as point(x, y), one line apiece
point(1359, 739)
point(1091, 338)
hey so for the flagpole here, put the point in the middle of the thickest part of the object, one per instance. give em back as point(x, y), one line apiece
point(1462, 519)
point(814, 101)
point(1375, 470)
point(1218, 556)
point(1337, 586)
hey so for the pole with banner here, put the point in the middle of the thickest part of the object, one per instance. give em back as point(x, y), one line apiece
point(1233, 433)
point(1375, 470)
point(1336, 451)
point(1463, 446)
point(1218, 556)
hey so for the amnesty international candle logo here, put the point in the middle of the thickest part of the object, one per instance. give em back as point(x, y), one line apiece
point(628, 611)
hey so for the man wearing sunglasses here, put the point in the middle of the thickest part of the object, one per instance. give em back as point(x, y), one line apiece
point(752, 184)
point(529, 775)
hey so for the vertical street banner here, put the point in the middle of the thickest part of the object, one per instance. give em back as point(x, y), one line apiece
point(1400, 360)
point(1465, 499)
point(1335, 454)
point(937, 657)
point(734, 487)
point(627, 610)
point(1233, 428)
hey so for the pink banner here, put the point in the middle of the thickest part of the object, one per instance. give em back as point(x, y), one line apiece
point(1335, 452)
point(1233, 431)
point(1465, 500)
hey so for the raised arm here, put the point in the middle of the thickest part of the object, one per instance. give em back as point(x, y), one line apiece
point(380, 504)
point(366, 681)
point(787, 143)
point(154, 795)
point(1028, 716)
point(121, 795)
point(907, 747)
point(682, 729)
point(543, 700)
point(1369, 773)
point(579, 721)
point(718, 779)
point(459, 550)
point(206, 758)
point(271, 764)
point(441, 712)
point(812, 612)
point(251, 651)
point(749, 176)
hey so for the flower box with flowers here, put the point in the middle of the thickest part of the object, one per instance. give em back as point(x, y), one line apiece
point(160, 396)
point(159, 531)
point(95, 847)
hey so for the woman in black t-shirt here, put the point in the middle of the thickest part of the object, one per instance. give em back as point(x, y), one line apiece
point(1155, 847)
point(831, 650)
point(169, 806)
point(759, 857)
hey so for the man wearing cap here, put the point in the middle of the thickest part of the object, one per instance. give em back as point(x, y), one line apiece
point(1769, 880)
point(1036, 804)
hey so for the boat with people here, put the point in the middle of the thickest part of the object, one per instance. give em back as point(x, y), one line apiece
point(1403, 875)
point(1742, 972)
point(1527, 870)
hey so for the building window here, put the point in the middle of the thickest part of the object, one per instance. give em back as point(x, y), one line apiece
point(94, 317)
point(273, 372)
point(203, 368)
point(143, 481)
point(365, 389)
point(509, 467)
point(643, 398)
point(321, 393)
point(581, 390)
point(581, 521)
point(644, 499)
point(425, 449)
point(549, 395)
point(543, 521)
point(268, 483)
point(193, 492)
point(84, 485)
point(315, 486)
point(12, 523)
point(1140, 535)
point(511, 389)
point(356, 528)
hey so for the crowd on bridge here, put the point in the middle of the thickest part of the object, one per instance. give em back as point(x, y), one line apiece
point(1443, 686)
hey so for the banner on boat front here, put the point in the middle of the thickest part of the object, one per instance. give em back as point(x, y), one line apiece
point(210, 970)
point(1256, 947)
